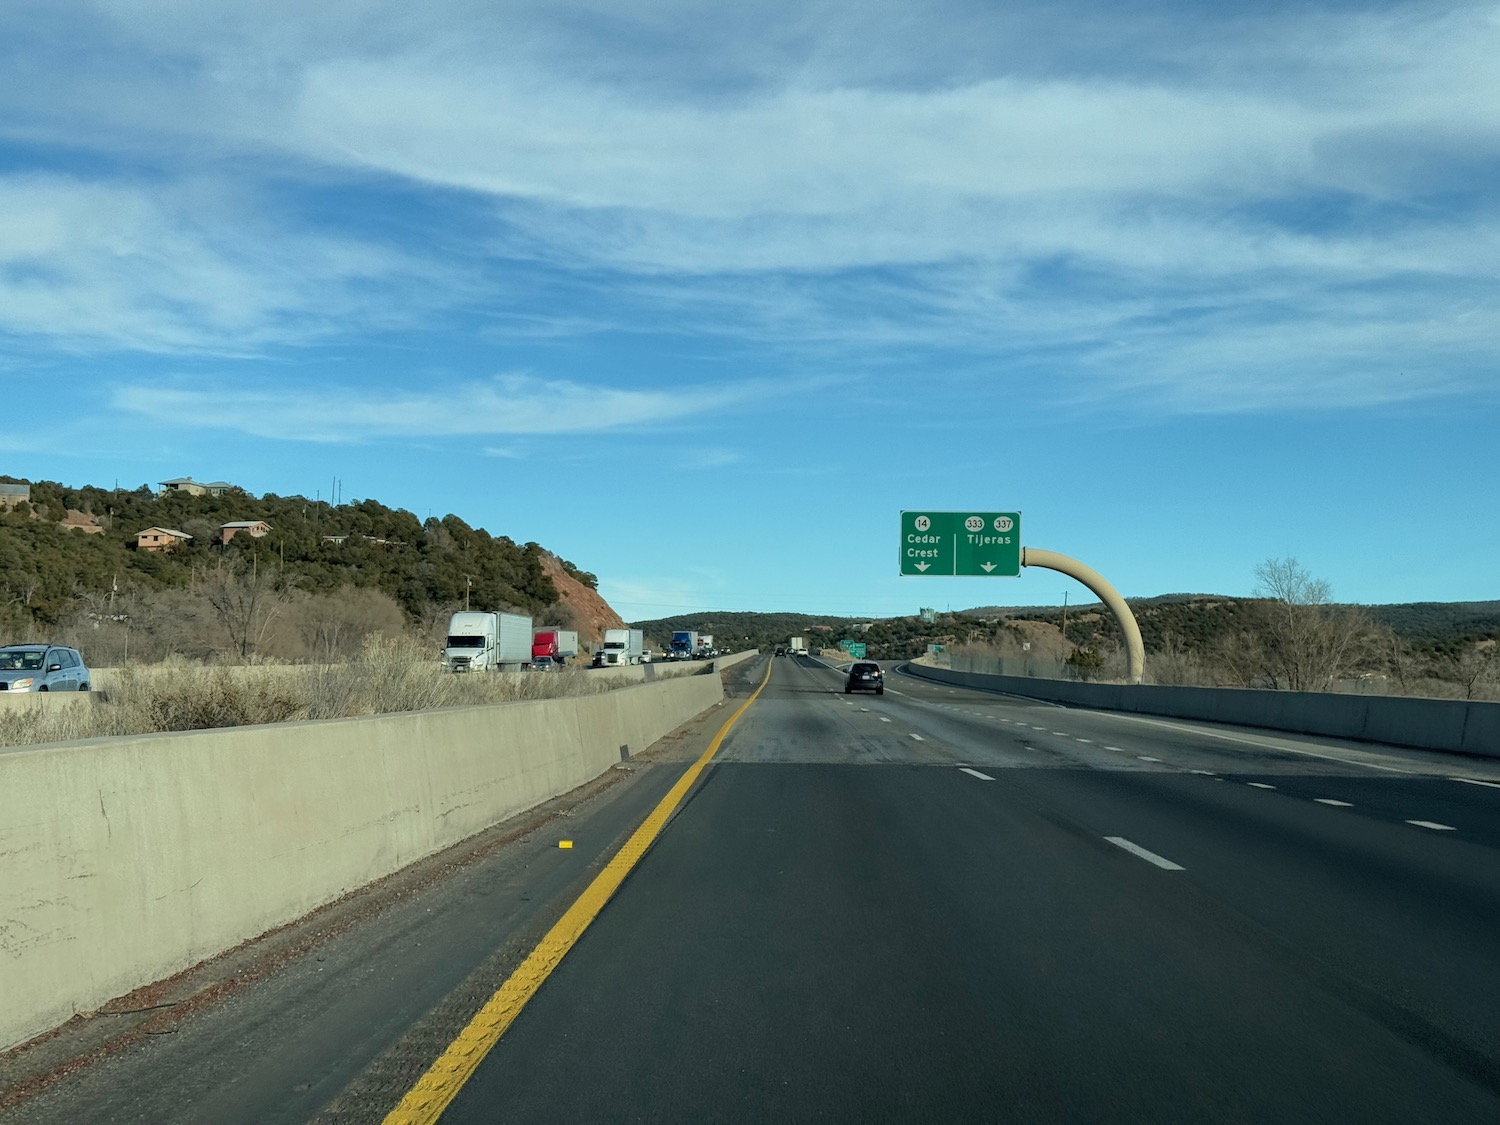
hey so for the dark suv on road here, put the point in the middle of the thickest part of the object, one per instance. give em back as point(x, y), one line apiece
point(865, 675)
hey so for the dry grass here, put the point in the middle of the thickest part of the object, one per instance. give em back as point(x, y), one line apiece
point(391, 674)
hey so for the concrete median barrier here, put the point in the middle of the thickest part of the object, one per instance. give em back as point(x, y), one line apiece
point(722, 662)
point(16, 700)
point(1449, 725)
point(125, 860)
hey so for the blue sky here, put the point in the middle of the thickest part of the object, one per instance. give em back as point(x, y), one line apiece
point(701, 298)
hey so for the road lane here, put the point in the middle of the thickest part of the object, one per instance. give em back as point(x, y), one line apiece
point(819, 940)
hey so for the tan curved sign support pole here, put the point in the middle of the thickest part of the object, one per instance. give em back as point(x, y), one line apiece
point(1135, 650)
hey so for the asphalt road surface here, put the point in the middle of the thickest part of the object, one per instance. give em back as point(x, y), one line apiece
point(932, 905)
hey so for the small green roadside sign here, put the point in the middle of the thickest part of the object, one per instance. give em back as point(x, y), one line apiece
point(962, 544)
point(857, 650)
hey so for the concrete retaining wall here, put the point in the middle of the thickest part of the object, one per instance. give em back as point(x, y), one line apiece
point(16, 700)
point(125, 860)
point(1455, 726)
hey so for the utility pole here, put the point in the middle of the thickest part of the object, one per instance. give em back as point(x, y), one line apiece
point(468, 585)
point(1065, 623)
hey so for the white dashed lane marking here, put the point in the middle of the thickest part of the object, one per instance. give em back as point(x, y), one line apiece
point(1144, 758)
point(1149, 857)
point(1434, 826)
point(1259, 785)
point(1085, 741)
point(1332, 802)
point(918, 738)
point(1117, 749)
point(976, 773)
point(883, 719)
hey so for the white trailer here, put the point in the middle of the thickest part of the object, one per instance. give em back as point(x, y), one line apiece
point(487, 642)
point(798, 647)
point(622, 646)
point(514, 642)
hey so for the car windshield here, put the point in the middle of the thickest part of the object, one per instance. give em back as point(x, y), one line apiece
point(465, 642)
point(20, 661)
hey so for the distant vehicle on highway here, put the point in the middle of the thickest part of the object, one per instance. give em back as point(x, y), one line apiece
point(479, 642)
point(780, 650)
point(865, 675)
point(42, 668)
point(623, 646)
point(553, 644)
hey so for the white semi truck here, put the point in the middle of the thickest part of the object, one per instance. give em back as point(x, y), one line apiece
point(487, 642)
point(622, 646)
point(798, 647)
point(705, 646)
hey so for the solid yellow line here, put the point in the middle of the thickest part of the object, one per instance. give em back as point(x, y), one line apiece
point(425, 1101)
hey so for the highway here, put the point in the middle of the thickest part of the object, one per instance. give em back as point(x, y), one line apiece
point(933, 905)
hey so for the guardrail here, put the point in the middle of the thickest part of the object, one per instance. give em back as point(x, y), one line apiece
point(1449, 725)
point(125, 860)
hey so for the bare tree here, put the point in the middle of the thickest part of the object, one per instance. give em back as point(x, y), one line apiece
point(1176, 663)
point(1307, 642)
point(1477, 669)
point(334, 626)
point(174, 622)
point(245, 599)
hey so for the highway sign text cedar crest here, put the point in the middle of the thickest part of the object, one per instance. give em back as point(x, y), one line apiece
point(967, 544)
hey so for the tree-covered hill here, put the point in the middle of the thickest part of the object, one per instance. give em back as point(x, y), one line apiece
point(1204, 638)
point(48, 572)
point(1201, 620)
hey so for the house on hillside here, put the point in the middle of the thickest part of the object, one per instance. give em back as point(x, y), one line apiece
point(344, 536)
point(197, 488)
point(256, 529)
point(81, 521)
point(13, 494)
point(161, 539)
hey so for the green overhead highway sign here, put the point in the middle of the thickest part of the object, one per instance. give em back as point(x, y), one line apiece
point(964, 544)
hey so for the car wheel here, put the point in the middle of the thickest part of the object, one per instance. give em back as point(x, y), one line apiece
point(880, 691)
point(42, 688)
point(83, 687)
point(848, 690)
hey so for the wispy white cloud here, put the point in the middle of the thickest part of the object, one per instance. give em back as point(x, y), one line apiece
point(185, 266)
point(1198, 212)
point(506, 404)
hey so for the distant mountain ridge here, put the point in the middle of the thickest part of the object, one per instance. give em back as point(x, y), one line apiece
point(1195, 620)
